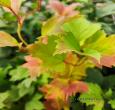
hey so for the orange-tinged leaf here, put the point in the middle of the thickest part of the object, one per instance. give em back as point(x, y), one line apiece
point(33, 65)
point(75, 87)
point(71, 59)
point(59, 90)
point(56, 6)
point(52, 105)
point(107, 61)
point(63, 10)
point(15, 5)
point(44, 40)
point(7, 40)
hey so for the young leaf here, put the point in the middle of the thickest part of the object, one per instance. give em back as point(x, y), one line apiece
point(63, 13)
point(82, 29)
point(51, 26)
point(62, 10)
point(6, 3)
point(67, 43)
point(107, 61)
point(59, 90)
point(45, 53)
point(7, 40)
point(15, 5)
point(79, 71)
point(33, 65)
point(92, 53)
point(108, 47)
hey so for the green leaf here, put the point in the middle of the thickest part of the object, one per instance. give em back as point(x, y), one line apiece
point(86, 1)
point(109, 93)
point(19, 74)
point(71, 42)
point(93, 97)
point(34, 103)
point(92, 53)
point(51, 26)
point(24, 88)
point(5, 3)
point(108, 47)
point(3, 97)
point(82, 29)
point(112, 103)
point(7, 40)
point(105, 10)
point(46, 53)
point(67, 43)
point(94, 76)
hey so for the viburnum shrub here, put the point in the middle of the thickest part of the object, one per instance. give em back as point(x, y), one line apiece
point(68, 45)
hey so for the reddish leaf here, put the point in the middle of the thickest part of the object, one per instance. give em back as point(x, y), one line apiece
point(63, 10)
point(33, 65)
point(74, 87)
point(44, 40)
point(70, 87)
point(15, 6)
point(71, 59)
point(56, 6)
point(107, 61)
point(52, 105)
point(59, 90)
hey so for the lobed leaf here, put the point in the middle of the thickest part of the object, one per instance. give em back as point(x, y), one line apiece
point(93, 97)
point(35, 103)
point(82, 29)
point(33, 65)
point(45, 53)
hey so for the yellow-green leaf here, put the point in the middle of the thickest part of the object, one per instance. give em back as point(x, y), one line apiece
point(7, 40)
point(104, 45)
point(5, 3)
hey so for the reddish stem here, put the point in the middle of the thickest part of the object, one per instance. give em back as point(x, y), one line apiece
point(39, 5)
point(18, 17)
